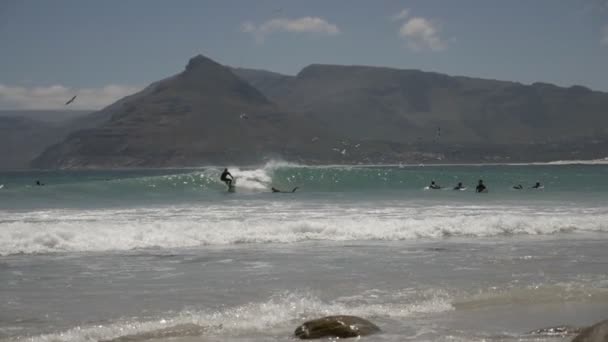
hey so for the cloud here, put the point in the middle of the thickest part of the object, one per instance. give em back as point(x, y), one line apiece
point(311, 25)
point(604, 36)
point(401, 15)
point(55, 96)
point(421, 34)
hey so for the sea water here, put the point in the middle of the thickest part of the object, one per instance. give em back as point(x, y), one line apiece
point(169, 254)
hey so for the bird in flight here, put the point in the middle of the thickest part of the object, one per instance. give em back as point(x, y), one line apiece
point(71, 100)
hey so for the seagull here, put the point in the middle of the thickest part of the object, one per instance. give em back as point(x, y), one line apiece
point(243, 116)
point(71, 100)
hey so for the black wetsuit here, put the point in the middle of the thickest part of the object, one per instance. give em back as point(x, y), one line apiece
point(224, 178)
point(480, 187)
point(434, 186)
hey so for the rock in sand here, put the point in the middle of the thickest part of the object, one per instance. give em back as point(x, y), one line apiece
point(336, 326)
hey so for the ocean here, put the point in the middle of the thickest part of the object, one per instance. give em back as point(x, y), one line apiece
point(169, 254)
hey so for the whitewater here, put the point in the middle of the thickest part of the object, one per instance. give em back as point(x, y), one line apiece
point(131, 254)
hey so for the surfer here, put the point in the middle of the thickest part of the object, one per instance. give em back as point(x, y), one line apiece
point(434, 186)
point(38, 183)
point(481, 187)
point(537, 186)
point(224, 178)
point(518, 187)
point(459, 186)
point(277, 190)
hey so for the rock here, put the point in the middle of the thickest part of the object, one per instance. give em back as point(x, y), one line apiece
point(595, 333)
point(562, 330)
point(336, 326)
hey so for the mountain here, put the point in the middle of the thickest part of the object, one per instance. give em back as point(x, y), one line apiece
point(204, 114)
point(22, 139)
point(213, 114)
point(26, 134)
point(53, 116)
point(412, 106)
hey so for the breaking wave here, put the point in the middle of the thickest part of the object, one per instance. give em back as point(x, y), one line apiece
point(51, 231)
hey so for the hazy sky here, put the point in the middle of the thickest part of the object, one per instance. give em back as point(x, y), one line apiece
point(103, 50)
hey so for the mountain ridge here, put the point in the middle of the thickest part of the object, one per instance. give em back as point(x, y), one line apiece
point(213, 114)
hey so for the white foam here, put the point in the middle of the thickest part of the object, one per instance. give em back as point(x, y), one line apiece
point(277, 316)
point(276, 222)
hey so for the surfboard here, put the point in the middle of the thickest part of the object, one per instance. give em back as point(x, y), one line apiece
point(232, 187)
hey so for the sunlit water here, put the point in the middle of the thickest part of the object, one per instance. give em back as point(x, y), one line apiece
point(95, 256)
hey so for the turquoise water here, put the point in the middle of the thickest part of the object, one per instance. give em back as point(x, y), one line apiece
point(100, 255)
point(566, 183)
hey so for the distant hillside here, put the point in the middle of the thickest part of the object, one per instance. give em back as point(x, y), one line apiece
point(25, 134)
point(54, 116)
point(22, 139)
point(212, 114)
point(410, 106)
point(203, 115)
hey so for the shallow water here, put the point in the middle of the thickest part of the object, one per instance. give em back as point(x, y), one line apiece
point(102, 255)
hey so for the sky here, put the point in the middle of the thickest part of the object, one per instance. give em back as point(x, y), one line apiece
point(104, 50)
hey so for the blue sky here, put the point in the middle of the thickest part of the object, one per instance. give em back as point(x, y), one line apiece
point(102, 50)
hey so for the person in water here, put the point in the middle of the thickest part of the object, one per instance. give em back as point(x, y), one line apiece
point(224, 178)
point(38, 183)
point(459, 186)
point(518, 187)
point(481, 187)
point(537, 186)
point(277, 190)
point(434, 186)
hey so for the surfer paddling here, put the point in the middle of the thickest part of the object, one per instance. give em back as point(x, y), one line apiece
point(481, 187)
point(434, 186)
point(459, 186)
point(275, 190)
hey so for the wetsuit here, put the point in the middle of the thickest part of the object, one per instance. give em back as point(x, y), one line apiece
point(224, 178)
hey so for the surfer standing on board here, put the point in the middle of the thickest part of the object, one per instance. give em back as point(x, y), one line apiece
point(224, 178)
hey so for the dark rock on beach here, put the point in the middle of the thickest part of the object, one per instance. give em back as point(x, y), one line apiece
point(595, 333)
point(336, 326)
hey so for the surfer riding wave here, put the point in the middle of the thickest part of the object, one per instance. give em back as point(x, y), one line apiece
point(224, 178)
